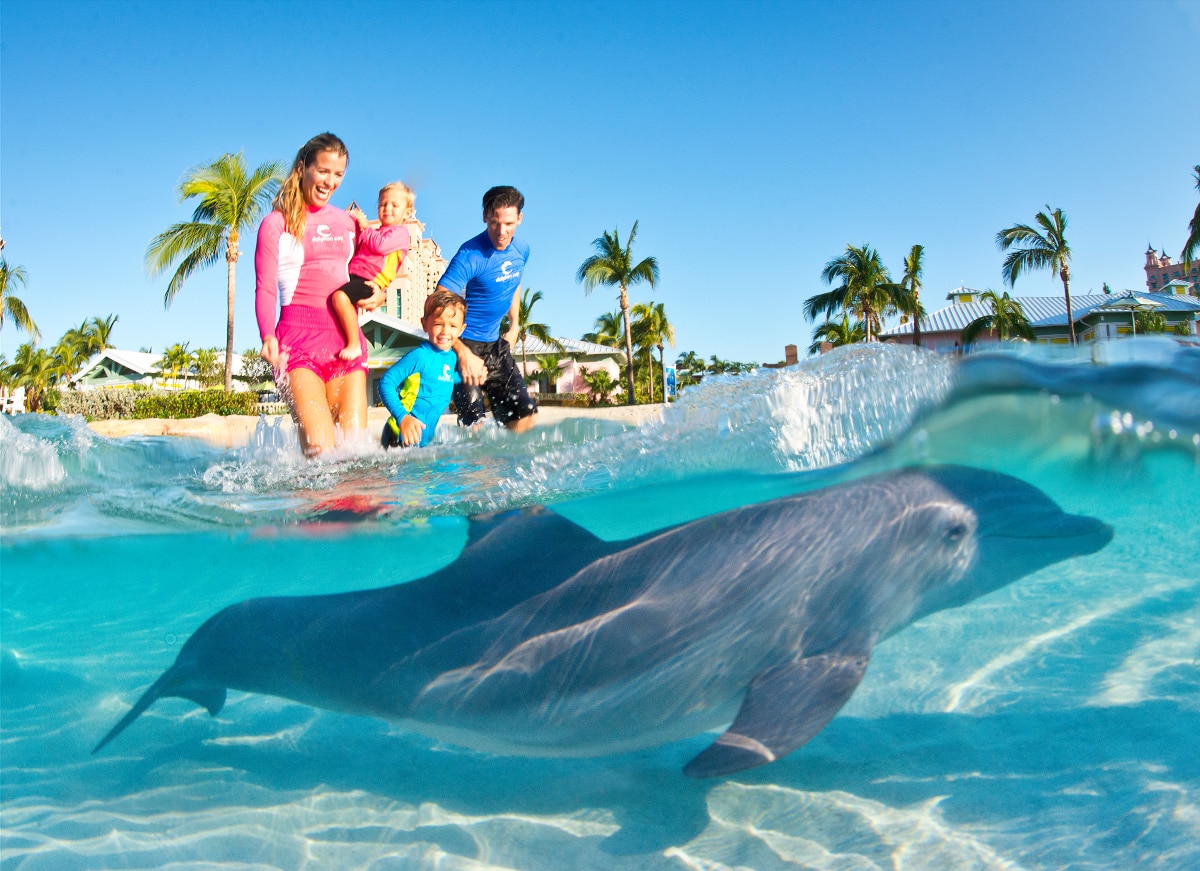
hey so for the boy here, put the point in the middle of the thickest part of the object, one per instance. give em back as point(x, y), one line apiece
point(487, 271)
point(417, 389)
point(378, 254)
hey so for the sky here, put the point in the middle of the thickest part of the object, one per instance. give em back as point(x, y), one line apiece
point(751, 141)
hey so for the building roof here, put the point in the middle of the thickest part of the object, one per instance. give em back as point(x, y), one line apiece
point(394, 323)
point(141, 362)
point(573, 347)
point(1041, 311)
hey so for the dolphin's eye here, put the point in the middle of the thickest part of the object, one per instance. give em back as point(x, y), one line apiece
point(956, 532)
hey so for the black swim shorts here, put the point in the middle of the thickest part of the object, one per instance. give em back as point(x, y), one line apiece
point(506, 392)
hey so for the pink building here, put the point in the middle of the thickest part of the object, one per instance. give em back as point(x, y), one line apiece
point(1160, 272)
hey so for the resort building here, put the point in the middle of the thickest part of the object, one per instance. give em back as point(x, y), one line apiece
point(423, 268)
point(576, 359)
point(114, 368)
point(1097, 316)
point(1161, 272)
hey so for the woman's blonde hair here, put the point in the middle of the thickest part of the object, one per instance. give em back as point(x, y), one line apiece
point(409, 196)
point(290, 199)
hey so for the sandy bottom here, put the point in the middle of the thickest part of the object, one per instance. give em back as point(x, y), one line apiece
point(235, 430)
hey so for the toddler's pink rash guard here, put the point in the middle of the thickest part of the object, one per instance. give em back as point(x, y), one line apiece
point(300, 273)
point(371, 261)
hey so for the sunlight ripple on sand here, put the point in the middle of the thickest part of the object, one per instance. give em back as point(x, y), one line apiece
point(767, 827)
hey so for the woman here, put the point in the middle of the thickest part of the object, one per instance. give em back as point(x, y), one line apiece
point(304, 247)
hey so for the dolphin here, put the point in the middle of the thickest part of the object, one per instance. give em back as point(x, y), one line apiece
point(542, 639)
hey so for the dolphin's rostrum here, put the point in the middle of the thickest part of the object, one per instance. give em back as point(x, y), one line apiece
point(541, 639)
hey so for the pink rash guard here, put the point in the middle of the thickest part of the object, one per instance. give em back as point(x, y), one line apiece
point(371, 261)
point(301, 273)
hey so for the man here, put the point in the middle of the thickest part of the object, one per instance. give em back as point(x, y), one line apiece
point(487, 272)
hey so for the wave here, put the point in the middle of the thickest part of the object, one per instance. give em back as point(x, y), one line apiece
point(855, 404)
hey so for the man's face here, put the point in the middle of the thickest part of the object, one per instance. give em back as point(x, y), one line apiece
point(502, 223)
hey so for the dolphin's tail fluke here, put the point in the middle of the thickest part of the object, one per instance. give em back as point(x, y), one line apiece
point(172, 683)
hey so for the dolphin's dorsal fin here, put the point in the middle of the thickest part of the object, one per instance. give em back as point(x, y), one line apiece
point(784, 707)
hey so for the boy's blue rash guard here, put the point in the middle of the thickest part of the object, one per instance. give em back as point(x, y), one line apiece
point(420, 384)
point(487, 279)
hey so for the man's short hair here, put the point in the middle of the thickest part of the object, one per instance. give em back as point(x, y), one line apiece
point(501, 197)
point(443, 299)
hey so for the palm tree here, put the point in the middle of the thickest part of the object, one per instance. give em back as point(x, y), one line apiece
point(717, 366)
point(230, 202)
point(1006, 320)
point(866, 291)
point(12, 277)
point(36, 370)
point(1192, 245)
point(601, 383)
point(691, 368)
point(526, 327)
point(837, 334)
point(914, 265)
point(608, 330)
point(207, 365)
point(177, 357)
point(1045, 249)
point(547, 371)
point(651, 329)
point(102, 331)
point(72, 351)
point(613, 265)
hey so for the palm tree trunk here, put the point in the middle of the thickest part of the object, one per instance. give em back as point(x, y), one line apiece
point(916, 320)
point(1065, 274)
point(662, 364)
point(231, 256)
point(630, 399)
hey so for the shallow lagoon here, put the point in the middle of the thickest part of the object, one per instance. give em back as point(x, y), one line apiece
point(1049, 724)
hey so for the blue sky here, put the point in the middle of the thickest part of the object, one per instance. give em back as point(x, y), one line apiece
point(752, 141)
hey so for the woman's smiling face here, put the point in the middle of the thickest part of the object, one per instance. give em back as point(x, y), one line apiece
point(322, 177)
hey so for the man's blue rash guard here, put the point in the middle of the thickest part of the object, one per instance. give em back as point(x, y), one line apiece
point(420, 384)
point(487, 279)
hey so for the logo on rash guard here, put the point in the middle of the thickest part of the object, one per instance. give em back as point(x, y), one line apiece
point(506, 272)
point(324, 235)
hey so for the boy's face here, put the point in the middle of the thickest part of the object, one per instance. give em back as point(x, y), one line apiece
point(501, 225)
point(444, 326)
point(392, 206)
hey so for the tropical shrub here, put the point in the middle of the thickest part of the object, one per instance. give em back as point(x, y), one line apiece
point(193, 403)
point(128, 404)
point(99, 404)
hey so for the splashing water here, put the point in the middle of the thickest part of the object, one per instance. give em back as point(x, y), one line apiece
point(1049, 724)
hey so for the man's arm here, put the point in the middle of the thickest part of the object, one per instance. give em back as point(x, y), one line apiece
point(470, 367)
point(514, 313)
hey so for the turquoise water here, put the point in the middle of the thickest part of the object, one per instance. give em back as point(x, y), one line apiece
point(1051, 724)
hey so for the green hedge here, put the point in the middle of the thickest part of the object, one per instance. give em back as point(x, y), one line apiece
point(193, 403)
point(567, 400)
point(135, 404)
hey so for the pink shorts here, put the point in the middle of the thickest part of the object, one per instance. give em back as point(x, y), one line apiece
point(311, 339)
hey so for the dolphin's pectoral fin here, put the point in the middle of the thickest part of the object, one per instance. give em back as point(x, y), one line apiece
point(784, 708)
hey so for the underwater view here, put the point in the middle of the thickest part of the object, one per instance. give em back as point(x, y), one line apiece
point(951, 608)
